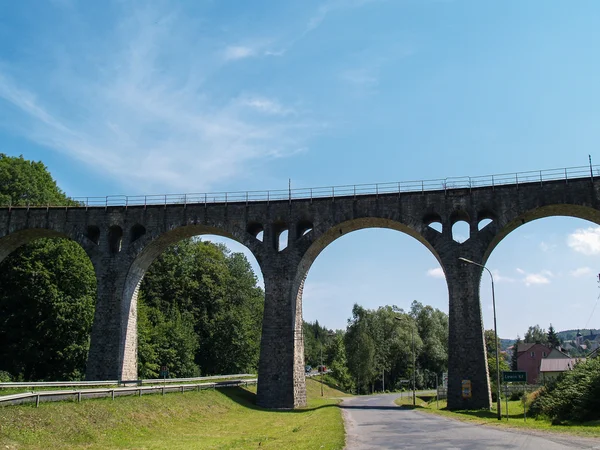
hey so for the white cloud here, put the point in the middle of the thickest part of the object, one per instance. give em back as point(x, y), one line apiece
point(438, 272)
point(586, 241)
point(535, 278)
point(139, 108)
point(238, 52)
point(530, 279)
point(580, 272)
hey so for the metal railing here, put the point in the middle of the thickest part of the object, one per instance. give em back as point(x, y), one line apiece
point(399, 187)
point(163, 387)
point(45, 384)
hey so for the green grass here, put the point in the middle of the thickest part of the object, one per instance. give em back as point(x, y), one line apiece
point(515, 417)
point(211, 419)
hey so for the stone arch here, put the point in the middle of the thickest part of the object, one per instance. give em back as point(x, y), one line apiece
point(16, 239)
point(137, 231)
point(146, 250)
point(92, 232)
point(434, 221)
point(328, 237)
point(555, 210)
point(115, 239)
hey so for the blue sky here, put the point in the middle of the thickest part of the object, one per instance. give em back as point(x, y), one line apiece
point(152, 97)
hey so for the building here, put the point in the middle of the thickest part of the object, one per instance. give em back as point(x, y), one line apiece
point(529, 357)
point(551, 368)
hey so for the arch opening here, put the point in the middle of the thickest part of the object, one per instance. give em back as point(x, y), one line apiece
point(483, 223)
point(255, 229)
point(281, 235)
point(93, 234)
point(137, 231)
point(206, 290)
point(461, 231)
point(546, 270)
point(381, 271)
point(115, 237)
point(433, 221)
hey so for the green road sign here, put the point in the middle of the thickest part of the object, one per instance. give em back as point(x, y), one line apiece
point(515, 376)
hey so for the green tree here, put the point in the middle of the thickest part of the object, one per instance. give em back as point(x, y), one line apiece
point(513, 360)
point(535, 335)
point(217, 290)
point(24, 182)
point(47, 297)
point(552, 337)
point(47, 287)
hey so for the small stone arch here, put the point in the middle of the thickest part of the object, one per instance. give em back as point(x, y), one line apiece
point(434, 221)
point(137, 231)
point(255, 229)
point(302, 227)
point(460, 216)
point(115, 238)
point(280, 235)
point(93, 234)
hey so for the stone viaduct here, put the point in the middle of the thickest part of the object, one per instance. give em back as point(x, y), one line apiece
point(122, 241)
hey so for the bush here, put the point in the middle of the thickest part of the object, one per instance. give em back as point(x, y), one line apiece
point(574, 396)
point(5, 377)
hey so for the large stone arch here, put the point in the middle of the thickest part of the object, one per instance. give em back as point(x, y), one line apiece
point(143, 252)
point(314, 245)
point(541, 212)
point(15, 239)
point(341, 229)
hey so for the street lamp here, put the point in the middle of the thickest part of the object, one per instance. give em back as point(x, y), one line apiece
point(495, 334)
point(414, 397)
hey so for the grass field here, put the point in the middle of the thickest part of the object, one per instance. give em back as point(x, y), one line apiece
point(212, 419)
point(515, 417)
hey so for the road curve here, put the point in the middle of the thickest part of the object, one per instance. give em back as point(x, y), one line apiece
point(376, 422)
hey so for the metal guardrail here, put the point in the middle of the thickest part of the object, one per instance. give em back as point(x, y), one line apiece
point(440, 184)
point(34, 384)
point(29, 397)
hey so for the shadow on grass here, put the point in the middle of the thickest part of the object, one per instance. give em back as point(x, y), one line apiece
point(247, 399)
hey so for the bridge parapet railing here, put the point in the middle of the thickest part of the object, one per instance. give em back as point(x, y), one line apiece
point(333, 192)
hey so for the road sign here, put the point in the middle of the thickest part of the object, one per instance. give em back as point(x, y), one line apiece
point(164, 371)
point(445, 380)
point(466, 388)
point(515, 376)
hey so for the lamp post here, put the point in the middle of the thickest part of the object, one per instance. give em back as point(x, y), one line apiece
point(414, 396)
point(495, 334)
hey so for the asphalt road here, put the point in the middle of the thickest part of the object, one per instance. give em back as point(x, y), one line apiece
point(376, 422)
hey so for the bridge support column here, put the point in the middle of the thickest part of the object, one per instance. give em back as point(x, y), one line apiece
point(467, 359)
point(113, 346)
point(281, 377)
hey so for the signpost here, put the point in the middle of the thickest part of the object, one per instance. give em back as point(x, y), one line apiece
point(517, 376)
point(164, 373)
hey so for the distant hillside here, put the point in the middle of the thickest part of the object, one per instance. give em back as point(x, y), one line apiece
point(505, 343)
point(569, 335)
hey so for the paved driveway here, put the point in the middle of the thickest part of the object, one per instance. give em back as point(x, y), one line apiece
point(376, 422)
